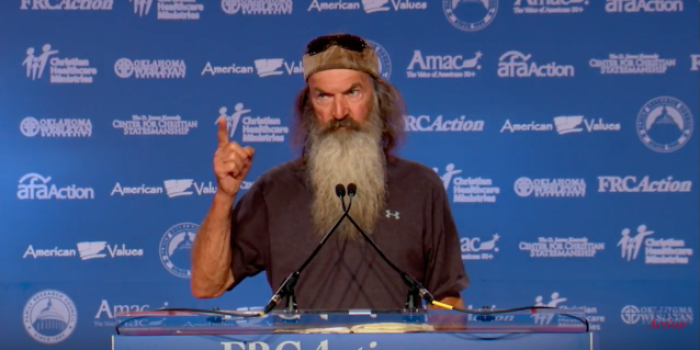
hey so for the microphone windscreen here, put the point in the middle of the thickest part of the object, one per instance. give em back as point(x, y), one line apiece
point(340, 190)
point(352, 189)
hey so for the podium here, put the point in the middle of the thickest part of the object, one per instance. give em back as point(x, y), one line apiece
point(531, 329)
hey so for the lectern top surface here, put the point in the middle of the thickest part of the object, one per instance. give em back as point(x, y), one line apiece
point(163, 322)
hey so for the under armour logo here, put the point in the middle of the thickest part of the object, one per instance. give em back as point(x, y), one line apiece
point(395, 214)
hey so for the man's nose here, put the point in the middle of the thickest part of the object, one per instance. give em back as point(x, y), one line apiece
point(340, 108)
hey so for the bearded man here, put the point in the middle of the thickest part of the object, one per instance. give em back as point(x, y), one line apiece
point(349, 122)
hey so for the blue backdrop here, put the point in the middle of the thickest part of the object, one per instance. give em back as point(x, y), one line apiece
point(565, 132)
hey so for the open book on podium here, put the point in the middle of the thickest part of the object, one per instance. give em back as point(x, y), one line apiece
point(548, 329)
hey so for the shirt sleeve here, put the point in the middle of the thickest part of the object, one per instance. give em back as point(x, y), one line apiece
point(445, 274)
point(249, 235)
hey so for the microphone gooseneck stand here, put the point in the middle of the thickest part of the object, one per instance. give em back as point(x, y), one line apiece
point(286, 289)
point(415, 289)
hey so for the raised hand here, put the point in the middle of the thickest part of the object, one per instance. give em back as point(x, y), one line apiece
point(231, 162)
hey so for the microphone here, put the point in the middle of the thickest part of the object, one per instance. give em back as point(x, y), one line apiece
point(286, 289)
point(415, 289)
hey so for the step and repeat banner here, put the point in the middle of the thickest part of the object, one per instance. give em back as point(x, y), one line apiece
point(565, 132)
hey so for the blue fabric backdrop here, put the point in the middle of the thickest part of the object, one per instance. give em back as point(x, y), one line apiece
point(565, 132)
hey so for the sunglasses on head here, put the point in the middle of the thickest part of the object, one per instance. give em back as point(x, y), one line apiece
point(346, 41)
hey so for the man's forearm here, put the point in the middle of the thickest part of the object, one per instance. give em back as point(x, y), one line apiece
point(211, 251)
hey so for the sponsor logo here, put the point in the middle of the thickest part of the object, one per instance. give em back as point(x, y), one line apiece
point(563, 125)
point(446, 66)
point(587, 312)
point(175, 247)
point(526, 187)
point(474, 249)
point(664, 124)
point(384, 59)
point(50, 317)
point(618, 6)
point(632, 64)
point(96, 250)
point(515, 64)
point(425, 123)
point(35, 186)
point(107, 314)
point(255, 128)
point(628, 184)
point(48, 253)
point(269, 67)
point(645, 315)
point(372, 6)
point(337, 5)
point(531, 7)
point(695, 62)
point(169, 10)
point(470, 15)
point(555, 247)
point(662, 251)
point(155, 125)
point(150, 69)
point(232, 69)
point(173, 188)
point(59, 5)
point(257, 7)
point(51, 127)
point(470, 189)
point(61, 70)
point(86, 251)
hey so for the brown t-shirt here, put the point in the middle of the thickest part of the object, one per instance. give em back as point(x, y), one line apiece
point(272, 231)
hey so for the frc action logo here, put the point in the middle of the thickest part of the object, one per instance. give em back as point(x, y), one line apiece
point(59, 5)
point(50, 317)
point(633, 184)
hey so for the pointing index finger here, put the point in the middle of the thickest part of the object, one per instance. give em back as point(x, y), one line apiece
point(222, 133)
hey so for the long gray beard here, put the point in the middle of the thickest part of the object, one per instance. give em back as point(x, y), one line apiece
point(344, 157)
